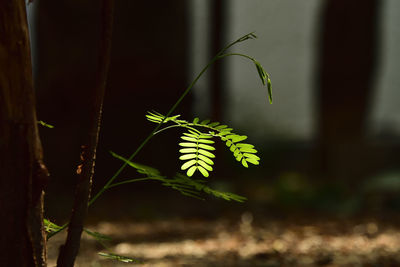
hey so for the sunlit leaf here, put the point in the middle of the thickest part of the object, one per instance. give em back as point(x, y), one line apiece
point(187, 156)
point(248, 150)
point(50, 226)
point(205, 165)
point(205, 159)
point(248, 155)
point(244, 163)
point(253, 161)
point(188, 164)
point(191, 171)
point(188, 150)
point(203, 171)
point(46, 124)
point(188, 144)
point(243, 145)
point(206, 153)
point(206, 147)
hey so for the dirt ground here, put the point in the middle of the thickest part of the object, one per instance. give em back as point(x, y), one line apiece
point(244, 241)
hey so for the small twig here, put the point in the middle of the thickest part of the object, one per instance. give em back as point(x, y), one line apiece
point(85, 171)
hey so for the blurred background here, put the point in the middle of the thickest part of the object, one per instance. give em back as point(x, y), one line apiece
point(329, 143)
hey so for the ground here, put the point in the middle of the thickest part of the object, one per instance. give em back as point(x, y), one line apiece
point(245, 241)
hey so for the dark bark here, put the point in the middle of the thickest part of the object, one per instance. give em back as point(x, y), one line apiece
point(22, 172)
point(347, 64)
point(85, 170)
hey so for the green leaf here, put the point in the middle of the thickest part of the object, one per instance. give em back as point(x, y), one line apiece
point(192, 135)
point(203, 171)
point(247, 150)
point(213, 124)
point(205, 122)
point(205, 165)
point(205, 159)
point(192, 139)
point(202, 135)
point(261, 72)
point(191, 171)
point(187, 156)
point(188, 164)
point(50, 226)
point(248, 155)
point(244, 145)
point(226, 131)
point(206, 147)
point(192, 187)
point(154, 119)
point(236, 138)
point(113, 256)
point(196, 120)
point(46, 124)
point(188, 144)
point(244, 163)
point(233, 148)
point(150, 171)
point(206, 153)
point(228, 143)
point(97, 236)
point(269, 86)
point(188, 150)
point(253, 161)
point(220, 127)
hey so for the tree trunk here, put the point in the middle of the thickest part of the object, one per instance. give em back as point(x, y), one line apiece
point(347, 64)
point(22, 173)
point(85, 170)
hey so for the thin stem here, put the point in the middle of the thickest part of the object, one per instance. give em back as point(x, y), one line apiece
point(178, 125)
point(109, 184)
point(237, 54)
point(172, 109)
point(156, 130)
point(130, 181)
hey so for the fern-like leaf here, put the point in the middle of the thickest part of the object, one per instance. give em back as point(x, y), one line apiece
point(192, 187)
point(244, 153)
point(50, 227)
point(196, 153)
point(185, 185)
point(141, 168)
point(197, 146)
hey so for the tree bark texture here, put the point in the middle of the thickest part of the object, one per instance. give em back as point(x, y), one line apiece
point(347, 63)
point(22, 172)
point(85, 170)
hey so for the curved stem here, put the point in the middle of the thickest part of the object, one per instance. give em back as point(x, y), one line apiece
point(172, 109)
point(178, 125)
point(130, 181)
point(236, 54)
point(219, 56)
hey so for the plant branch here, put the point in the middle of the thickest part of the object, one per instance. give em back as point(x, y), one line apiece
point(85, 171)
point(130, 181)
point(171, 110)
